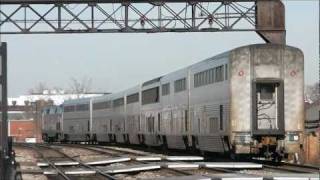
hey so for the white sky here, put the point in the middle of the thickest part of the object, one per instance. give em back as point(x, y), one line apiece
point(119, 61)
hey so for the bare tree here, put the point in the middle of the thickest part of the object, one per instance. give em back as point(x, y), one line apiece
point(80, 86)
point(312, 92)
point(39, 88)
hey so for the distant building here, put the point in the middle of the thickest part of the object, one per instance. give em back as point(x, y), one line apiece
point(57, 97)
point(312, 122)
point(312, 133)
point(25, 111)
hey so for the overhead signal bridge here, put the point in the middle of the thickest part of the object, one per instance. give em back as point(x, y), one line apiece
point(266, 17)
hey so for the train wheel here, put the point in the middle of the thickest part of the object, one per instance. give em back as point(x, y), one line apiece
point(275, 157)
point(234, 156)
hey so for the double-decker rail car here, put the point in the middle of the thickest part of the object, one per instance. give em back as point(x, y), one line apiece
point(133, 114)
point(150, 112)
point(119, 117)
point(174, 123)
point(102, 119)
point(52, 123)
point(209, 100)
point(245, 101)
point(77, 120)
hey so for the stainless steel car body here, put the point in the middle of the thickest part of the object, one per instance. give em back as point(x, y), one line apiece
point(247, 100)
point(77, 119)
point(52, 123)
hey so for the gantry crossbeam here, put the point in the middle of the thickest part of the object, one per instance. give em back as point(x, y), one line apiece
point(112, 16)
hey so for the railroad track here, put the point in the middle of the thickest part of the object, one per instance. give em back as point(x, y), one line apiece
point(202, 170)
point(53, 158)
point(189, 172)
point(284, 166)
point(119, 153)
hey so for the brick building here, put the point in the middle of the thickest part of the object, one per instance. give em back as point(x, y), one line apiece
point(22, 130)
point(312, 133)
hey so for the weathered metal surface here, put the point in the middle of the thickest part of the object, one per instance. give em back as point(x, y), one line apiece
point(240, 97)
point(271, 21)
point(268, 63)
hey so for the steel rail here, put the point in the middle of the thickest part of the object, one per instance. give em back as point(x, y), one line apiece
point(227, 170)
point(289, 167)
point(81, 163)
point(103, 151)
point(42, 156)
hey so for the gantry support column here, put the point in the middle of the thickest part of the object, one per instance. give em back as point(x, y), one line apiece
point(270, 21)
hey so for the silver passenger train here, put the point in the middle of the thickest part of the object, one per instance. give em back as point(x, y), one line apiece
point(246, 101)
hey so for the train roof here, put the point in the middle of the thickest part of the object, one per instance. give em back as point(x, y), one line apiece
point(77, 101)
point(176, 74)
point(181, 72)
point(103, 98)
point(133, 90)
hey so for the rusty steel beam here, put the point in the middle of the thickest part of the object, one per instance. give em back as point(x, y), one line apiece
point(270, 21)
point(112, 1)
point(266, 17)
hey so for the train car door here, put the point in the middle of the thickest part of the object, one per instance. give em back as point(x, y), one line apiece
point(268, 105)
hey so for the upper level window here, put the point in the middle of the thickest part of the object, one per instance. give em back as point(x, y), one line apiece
point(101, 105)
point(150, 95)
point(133, 98)
point(219, 74)
point(204, 77)
point(82, 107)
point(210, 76)
point(226, 72)
point(69, 108)
point(118, 102)
point(165, 89)
point(180, 85)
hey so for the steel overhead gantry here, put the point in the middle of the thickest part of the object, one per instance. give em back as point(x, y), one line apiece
point(266, 17)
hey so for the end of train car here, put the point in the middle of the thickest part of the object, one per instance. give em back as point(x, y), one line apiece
point(267, 105)
point(52, 123)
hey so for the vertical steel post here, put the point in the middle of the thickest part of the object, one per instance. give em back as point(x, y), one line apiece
point(126, 15)
point(159, 16)
point(92, 5)
point(193, 12)
point(59, 16)
point(4, 116)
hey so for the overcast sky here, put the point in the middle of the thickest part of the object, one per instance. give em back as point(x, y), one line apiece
point(118, 61)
